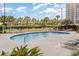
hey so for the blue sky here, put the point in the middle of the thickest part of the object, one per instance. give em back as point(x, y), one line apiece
point(36, 10)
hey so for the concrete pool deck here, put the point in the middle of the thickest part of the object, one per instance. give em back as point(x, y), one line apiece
point(50, 46)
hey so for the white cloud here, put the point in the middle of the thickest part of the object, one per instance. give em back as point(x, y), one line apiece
point(35, 3)
point(56, 5)
point(52, 12)
point(53, 5)
point(21, 9)
point(37, 6)
point(7, 10)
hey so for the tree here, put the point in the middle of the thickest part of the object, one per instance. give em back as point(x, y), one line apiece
point(57, 17)
point(67, 21)
point(45, 20)
point(20, 21)
point(27, 20)
point(34, 21)
point(6, 20)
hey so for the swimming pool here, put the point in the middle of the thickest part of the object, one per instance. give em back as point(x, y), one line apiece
point(30, 37)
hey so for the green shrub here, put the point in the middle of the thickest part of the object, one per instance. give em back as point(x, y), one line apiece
point(73, 27)
point(23, 51)
point(75, 53)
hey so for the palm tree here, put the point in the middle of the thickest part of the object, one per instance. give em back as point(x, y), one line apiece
point(57, 17)
point(34, 21)
point(45, 20)
point(27, 20)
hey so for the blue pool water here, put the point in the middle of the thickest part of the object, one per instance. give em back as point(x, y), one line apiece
point(30, 37)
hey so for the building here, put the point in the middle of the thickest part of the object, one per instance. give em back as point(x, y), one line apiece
point(72, 12)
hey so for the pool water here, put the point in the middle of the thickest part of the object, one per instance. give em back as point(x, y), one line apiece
point(30, 37)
